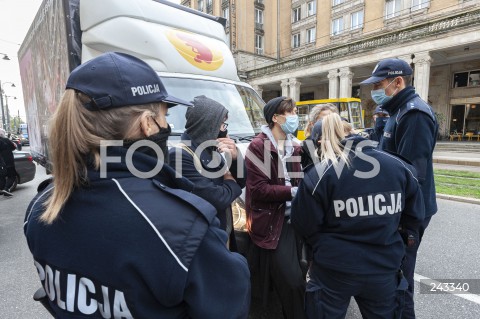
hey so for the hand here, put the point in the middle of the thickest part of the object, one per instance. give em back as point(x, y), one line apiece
point(227, 145)
point(293, 191)
point(228, 175)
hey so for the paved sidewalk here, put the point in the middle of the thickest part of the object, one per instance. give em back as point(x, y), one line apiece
point(457, 156)
point(457, 153)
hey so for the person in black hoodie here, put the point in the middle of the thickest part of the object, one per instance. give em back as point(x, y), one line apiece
point(203, 164)
point(411, 131)
point(348, 208)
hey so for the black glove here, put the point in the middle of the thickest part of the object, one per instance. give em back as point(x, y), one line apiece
point(408, 238)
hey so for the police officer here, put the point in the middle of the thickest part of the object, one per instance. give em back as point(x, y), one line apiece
point(349, 208)
point(410, 132)
point(380, 118)
point(112, 236)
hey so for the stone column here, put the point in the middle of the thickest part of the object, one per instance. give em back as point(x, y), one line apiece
point(422, 63)
point(295, 89)
point(346, 77)
point(258, 89)
point(284, 85)
point(333, 84)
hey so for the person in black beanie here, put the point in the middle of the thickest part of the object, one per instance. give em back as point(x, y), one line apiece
point(272, 181)
point(411, 131)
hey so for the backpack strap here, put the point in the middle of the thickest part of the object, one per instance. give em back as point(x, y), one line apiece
point(196, 160)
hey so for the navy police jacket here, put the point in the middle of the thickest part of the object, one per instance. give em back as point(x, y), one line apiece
point(350, 215)
point(411, 131)
point(127, 247)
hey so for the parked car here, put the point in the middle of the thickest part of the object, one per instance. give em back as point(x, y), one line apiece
point(24, 139)
point(24, 166)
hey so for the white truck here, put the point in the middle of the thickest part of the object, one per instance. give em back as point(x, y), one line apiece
point(187, 48)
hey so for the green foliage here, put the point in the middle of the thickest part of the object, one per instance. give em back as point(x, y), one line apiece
point(457, 183)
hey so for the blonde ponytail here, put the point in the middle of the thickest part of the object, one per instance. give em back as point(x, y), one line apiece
point(74, 137)
point(333, 133)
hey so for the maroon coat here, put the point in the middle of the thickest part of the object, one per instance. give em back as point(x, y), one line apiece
point(266, 192)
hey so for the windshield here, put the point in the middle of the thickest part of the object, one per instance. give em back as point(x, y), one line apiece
point(245, 107)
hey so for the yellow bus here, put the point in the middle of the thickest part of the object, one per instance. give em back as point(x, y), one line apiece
point(349, 108)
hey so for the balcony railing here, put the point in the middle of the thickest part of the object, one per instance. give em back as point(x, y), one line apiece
point(421, 31)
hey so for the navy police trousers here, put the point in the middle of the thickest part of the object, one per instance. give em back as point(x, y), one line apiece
point(378, 296)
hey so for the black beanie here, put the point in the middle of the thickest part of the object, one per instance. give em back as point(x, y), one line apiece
point(270, 109)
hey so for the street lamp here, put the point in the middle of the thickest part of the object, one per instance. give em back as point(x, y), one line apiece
point(5, 56)
point(8, 111)
point(4, 125)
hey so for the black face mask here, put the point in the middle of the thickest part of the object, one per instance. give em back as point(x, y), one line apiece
point(380, 123)
point(160, 138)
point(222, 134)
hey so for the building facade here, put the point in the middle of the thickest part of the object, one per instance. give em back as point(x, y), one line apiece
point(318, 49)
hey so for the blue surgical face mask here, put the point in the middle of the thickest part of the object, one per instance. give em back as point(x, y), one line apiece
point(380, 97)
point(290, 125)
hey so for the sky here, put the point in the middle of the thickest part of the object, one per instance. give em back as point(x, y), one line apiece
point(16, 17)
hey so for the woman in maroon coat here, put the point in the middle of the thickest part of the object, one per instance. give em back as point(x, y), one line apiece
point(273, 166)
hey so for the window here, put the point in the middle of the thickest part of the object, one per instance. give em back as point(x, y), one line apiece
point(312, 8)
point(296, 40)
point(311, 34)
point(226, 14)
point(337, 26)
point(420, 4)
point(258, 44)
point(392, 8)
point(210, 6)
point(296, 15)
point(258, 16)
point(200, 5)
point(466, 79)
point(356, 20)
point(337, 2)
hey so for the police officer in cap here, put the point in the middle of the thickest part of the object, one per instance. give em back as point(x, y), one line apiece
point(411, 132)
point(116, 235)
point(348, 208)
point(380, 118)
